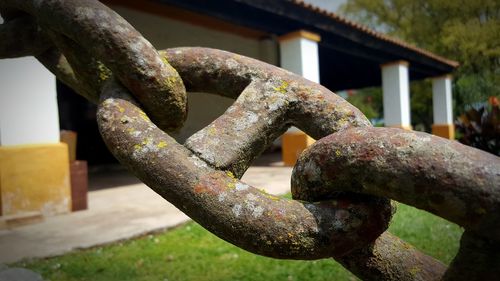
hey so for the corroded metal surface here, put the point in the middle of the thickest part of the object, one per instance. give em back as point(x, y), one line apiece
point(390, 258)
point(477, 259)
point(231, 209)
point(341, 185)
point(269, 100)
point(449, 179)
point(21, 37)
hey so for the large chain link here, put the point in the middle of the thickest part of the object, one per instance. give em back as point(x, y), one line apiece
point(341, 184)
point(95, 40)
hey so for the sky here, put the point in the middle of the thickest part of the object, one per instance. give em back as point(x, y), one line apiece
point(331, 5)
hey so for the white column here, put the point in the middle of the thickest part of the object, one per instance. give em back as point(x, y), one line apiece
point(299, 54)
point(441, 100)
point(28, 103)
point(442, 107)
point(396, 94)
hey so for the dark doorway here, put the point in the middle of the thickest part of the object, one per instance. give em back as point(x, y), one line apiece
point(79, 115)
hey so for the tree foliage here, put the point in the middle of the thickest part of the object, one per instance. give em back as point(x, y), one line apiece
point(462, 30)
point(368, 102)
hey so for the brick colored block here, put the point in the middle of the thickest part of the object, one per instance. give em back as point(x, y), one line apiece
point(79, 185)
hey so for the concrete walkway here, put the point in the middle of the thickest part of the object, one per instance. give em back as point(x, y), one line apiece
point(114, 214)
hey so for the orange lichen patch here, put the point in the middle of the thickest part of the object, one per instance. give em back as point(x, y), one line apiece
point(213, 184)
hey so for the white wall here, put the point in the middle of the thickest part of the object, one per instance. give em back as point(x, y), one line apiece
point(28, 103)
point(164, 33)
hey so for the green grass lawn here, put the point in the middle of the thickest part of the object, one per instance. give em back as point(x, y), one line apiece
point(191, 253)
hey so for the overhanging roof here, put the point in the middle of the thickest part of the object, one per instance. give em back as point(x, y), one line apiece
point(350, 54)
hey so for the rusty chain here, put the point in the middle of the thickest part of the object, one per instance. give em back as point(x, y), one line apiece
point(341, 185)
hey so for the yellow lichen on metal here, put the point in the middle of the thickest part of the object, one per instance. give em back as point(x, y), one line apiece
point(212, 131)
point(164, 58)
point(282, 88)
point(171, 80)
point(143, 115)
point(230, 174)
point(161, 144)
point(104, 72)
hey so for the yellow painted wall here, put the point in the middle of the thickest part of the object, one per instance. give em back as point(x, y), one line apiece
point(446, 131)
point(292, 144)
point(34, 178)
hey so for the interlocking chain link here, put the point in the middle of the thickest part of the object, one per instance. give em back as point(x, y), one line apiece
point(341, 184)
point(443, 177)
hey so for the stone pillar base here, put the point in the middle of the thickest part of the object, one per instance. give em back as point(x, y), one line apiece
point(292, 144)
point(34, 178)
point(446, 131)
